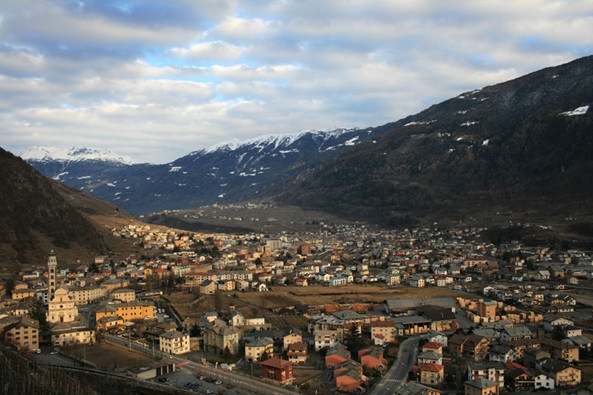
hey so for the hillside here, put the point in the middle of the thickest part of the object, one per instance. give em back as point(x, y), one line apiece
point(37, 215)
point(520, 147)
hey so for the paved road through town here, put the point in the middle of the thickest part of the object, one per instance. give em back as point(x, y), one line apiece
point(397, 375)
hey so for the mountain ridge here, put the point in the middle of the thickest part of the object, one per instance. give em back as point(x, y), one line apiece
point(223, 173)
point(74, 154)
point(499, 146)
point(35, 218)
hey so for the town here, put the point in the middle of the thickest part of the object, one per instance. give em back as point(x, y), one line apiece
point(348, 309)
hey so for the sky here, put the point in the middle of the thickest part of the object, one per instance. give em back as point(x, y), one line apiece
point(156, 80)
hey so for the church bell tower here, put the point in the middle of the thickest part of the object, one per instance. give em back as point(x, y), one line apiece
point(52, 269)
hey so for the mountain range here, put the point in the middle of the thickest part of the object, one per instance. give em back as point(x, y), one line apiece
point(522, 146)
point(228, 172)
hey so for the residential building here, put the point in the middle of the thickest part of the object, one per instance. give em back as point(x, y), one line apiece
point(124, 295)
point(560, 350)
point(134, 310)
point(65, 334)
point(515, 332)
point(431, 374)
point(255, 349)
point(502, 353)
point(174, 342)
point(438, 337)
point(429, 357)
point(86, 295)
point(383, 332)
point(433, 346)
point(349, 378)
point(218, 339)
point(24, 334)
point(492, 371)
point(542, 380)
point(481, 387)
point(294, 336)
point(372, 358)
point(22, 294)
point(564, 375)
point(278, 370)
point(325, 338)
point(297, 353)
point(473, 346)
point(337, 355)
point(518, 377)
point(207, 287)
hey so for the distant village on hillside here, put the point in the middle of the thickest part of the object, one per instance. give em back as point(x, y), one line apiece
point(516, 318)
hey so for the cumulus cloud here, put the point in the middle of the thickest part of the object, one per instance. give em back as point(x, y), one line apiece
point(157, 79)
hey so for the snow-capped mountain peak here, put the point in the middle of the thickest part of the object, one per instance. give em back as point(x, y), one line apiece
point(275, 140)
point(74, 154)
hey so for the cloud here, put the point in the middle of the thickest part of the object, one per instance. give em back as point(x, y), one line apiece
point(158, 79)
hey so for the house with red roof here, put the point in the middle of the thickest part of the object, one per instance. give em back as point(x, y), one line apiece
point(336, 355)
point(434, 347)
point(431, 374)
point(349, 378)
point(372, 358)
point(278, 370)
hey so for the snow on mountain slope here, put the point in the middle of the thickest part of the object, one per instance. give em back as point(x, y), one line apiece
point(275, 141)
point(225, 173)
point(74, 154)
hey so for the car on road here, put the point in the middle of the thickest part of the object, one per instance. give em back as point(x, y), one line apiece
point(163, 379)
point(209, 391)
point(218, 382)
point(229, 387)
point(53, 352)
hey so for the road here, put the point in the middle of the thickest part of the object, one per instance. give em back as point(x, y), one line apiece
point(233, 383)
point(241, 384)
point(397, 375)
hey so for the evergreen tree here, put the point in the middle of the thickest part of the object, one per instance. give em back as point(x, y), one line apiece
point(354, 340)
point(558, 332)
point(9, 286)
point(228, 355)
